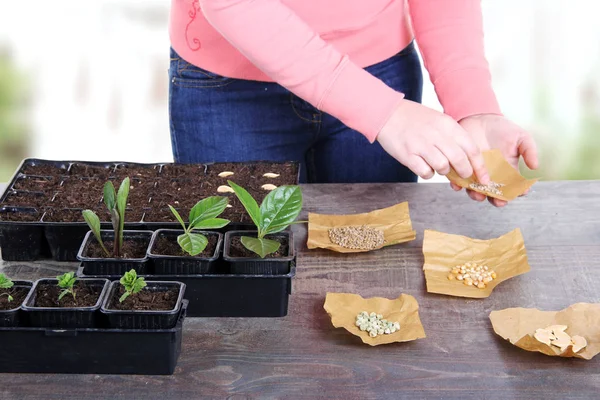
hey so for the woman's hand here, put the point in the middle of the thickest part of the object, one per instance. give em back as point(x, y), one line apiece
point(491, 131)
point(425, 140)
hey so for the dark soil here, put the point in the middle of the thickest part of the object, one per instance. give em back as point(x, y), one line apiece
point(19, 216)
point(131, 248)
point(194, 171)
point(36, 184)
point(237, 249)
point(43, 169)
point(163, 215)
point(168, 246)
point(85, 296)
point(147, 299)
point(26, 199)
point(64, 215)
point(180, 193)
point(135, 171)
point(84, 170)
point(79, 193)
point(140, 192)
point(18, 294)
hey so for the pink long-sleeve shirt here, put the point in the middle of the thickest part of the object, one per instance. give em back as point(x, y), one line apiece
point(317, 49)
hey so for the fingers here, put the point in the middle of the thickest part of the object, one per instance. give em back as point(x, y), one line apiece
point(476, 195)
point(497, 202)
point(528, 149)
point(475, 158)
point(457, 158)
point(417, 165)
point(436, 160)
point(455, 187)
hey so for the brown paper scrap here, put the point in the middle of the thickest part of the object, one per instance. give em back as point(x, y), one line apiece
point(394, 221)
point(518, 325)
point(344, 307)
point(505, 255)
point(500, 171)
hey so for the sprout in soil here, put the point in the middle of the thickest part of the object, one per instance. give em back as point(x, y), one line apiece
point(116, 203)
point(278, 210)
point(66, 282)
point(202, 216)
point(6, 283)
point(132, 283)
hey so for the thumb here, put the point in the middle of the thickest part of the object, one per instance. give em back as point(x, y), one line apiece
point(528, 149)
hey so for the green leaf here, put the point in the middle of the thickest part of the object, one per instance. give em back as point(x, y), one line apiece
point(192, 243)
point(121, 205)
point(260, 246)
point(5, 282)
point(176, 214)
point(63, 293)
point(280, 208)
point(132, 283)
point(125, 295)
point(94, 223)
point(248, 202)
point(109, 195)
point(66, 280)
point(210, 207)
point(213, 223)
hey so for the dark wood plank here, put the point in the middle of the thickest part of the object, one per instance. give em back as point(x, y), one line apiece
point(303, 356)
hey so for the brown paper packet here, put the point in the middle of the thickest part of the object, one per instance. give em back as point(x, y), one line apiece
point(500, 171)
point(394, 221)
point(505, 255)
point(517, 325)
point(344, 307)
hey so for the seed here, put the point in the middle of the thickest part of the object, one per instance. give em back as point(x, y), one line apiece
point(270, 175)
point(229, 206)
point(225, 189)
point(372, 333)
point(357, 237)
point(491, 187)
point(494, 276)
point(269, 186)
point(450, 277)
point(225, 174)
point(563, 340)
point(542, 335)
point(460, 277)
point(469, 283)
point(481, 285)
point(579, 343)
point(557, 328)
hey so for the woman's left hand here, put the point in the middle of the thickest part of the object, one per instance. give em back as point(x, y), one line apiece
point(492, 131)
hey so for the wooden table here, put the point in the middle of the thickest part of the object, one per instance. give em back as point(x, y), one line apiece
point(303, 356)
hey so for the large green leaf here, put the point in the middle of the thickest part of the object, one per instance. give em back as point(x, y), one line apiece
point(176, 214)
point(260, 246)
point(110, 197)
point(280, 208)
point(248, 202)
point(210, 207)
point(192, 243)
point(94, 223)
point(213, 223)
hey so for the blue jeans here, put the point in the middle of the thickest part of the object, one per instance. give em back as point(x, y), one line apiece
point(220, 119)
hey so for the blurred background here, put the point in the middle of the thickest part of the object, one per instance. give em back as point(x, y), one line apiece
point(87, 80)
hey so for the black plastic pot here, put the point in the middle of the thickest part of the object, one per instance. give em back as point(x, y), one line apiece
point(63, 317)
point(226, 295)
point(11, 317)
point(183, 265)
point(114, 266)
point(257, 265)
point(21, 241)
point(144, 319)
point(92, 351)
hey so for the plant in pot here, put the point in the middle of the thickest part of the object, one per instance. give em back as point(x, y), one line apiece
point(270, 249)
point(12, 295)
point(133, 303)
point(128, 248)
point(65, 302)
point(190, 251)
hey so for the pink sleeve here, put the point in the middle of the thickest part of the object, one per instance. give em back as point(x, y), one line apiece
point(290, 52)
point(450, 37)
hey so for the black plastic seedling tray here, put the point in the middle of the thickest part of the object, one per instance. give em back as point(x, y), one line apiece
point(227, 295)
point(91, 351)
point(41, 238)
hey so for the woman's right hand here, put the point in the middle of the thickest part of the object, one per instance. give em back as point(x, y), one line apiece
point(425, 140)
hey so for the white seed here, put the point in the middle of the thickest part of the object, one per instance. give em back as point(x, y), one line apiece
point(557, 328)
point(270, 175)
point(372, 333)
point(268, 186)
point(579, 343)
point(225, 189)
point(229, 206)
point(225, 174)
point(542, 335)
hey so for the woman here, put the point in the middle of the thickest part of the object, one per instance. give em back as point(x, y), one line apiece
point(336, 85)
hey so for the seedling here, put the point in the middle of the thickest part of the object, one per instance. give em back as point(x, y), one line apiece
point(6, 283)
point(278, 210)
point(132, 283)
point(66, 282)
point(202, 216)
point(116, 203)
